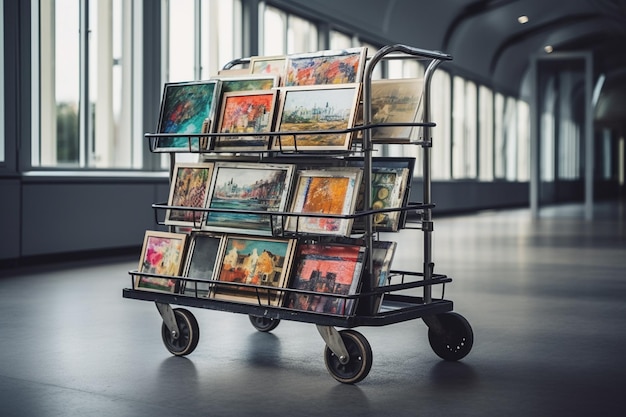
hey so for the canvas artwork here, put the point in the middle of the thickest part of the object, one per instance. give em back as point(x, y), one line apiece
point(245, 112)
point(248, 82)
point(162, 254)
point(326, 269)
point(404, 167)
point(396, 101)
point(189, 188)
point(382, 257)
point(274, 65)
point(388, 190)
point(331, 191)
point(325, 67)
point(317, 108)
point(254, 261)
point(250, 187)
point(184, 109)
point(202, 257)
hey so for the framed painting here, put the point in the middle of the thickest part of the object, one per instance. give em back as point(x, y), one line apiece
point(274, 65)
point(245, 112)
point(403, 167)
point(251, 187)
point(330, 191)
point(382, 257)
point(185, 109)
point(248, 82)
point(254, 261)
point(162, 253)
point(202, 257)
point(396, 101)
point(326, 269)
point(319, 110)
point(189, 187)
point(325, 67)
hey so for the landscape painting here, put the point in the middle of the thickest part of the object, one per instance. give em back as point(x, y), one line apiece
point(184, 109)
point(254, 261)
point(396, 101)
point(318, 110)
point(246, 187)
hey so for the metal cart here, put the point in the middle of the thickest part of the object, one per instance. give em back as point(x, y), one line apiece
point(347, 355)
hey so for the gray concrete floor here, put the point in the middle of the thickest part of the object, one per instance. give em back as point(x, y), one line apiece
point(546, 299)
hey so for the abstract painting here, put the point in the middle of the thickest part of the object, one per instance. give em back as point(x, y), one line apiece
point(189, 188)
point(201, 260)
point(162, 254)
point(325, 67)
point(184, 109)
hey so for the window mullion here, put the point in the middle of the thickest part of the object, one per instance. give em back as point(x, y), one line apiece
point(85, 141)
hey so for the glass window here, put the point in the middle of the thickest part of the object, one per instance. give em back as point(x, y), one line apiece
point(2, 135)
point(464, 129)
point(498, 136)
point(523, 141)
point(510, 138)
point(274, 39)
point(301, 35)
point(82, 117)
point(339, 40)
point(485, 128)
point(441, 107)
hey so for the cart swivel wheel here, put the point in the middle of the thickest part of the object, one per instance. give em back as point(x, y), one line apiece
point(186, 340)
point(360, 358)
point(453, 339)
point(264, 324)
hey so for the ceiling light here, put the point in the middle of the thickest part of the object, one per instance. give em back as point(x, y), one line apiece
point(522, 19)
point(548, 49)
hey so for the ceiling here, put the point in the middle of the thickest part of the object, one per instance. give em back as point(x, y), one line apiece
point(485, 37)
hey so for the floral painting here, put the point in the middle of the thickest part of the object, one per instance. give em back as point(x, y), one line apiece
point(162, 254)
point(254, 261)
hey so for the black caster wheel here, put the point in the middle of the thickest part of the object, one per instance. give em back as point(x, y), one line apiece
point(359, 364)
point(452, 340)
point(264, 324)
point(186, 340)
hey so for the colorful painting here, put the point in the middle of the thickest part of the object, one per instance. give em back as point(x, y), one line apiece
point(184, 109)
point(189, 188)
point(318, 109)
point(245, 112)
point(201, 260)
point(162, 254)
point(248, 83)
point(254, 261)
point(324, 192)
point(325, 67)
point(395, 101)
point(332, 269)
point(250, 187)
point(274, 65)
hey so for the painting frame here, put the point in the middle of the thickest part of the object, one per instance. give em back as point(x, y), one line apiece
point(162, 253)
point(329, 191)
point(320, 109)
point(254, 260)
point(272, 64)
point(248, 112)
point(229, 190)
point(396, 101)
point(331, 268)
point(247, 82)
point(196, 178)
point(186, 108)
point(341, 66)
point(202, 257)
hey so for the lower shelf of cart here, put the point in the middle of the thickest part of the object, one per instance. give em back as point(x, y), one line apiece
point(394, 309)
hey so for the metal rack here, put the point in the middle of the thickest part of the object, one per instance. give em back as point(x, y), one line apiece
point(348, 355)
